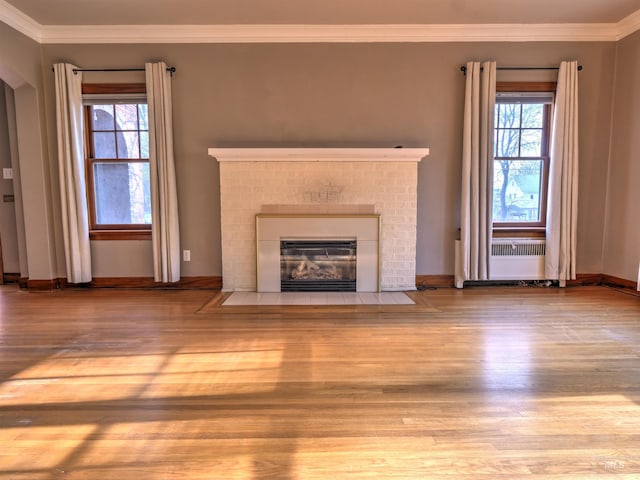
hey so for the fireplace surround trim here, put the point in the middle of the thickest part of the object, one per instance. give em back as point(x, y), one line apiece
point(364, 228)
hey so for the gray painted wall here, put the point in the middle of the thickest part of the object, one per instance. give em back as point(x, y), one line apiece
point(354, 95)
point(622, 229)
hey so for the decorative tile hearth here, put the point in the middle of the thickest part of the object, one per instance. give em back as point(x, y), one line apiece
point(318, 298)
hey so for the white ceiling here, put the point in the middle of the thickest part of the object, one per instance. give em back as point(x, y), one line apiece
point(191, 21)
point(225, 12)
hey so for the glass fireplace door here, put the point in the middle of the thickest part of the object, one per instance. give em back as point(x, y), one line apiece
point(321, 265)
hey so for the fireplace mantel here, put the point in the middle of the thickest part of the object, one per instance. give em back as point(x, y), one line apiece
point(318, 154)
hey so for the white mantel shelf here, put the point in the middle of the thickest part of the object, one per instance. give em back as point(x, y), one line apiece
point(318, 154)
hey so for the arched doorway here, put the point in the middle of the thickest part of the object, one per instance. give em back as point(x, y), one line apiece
point(9, 245)
point(34, 229)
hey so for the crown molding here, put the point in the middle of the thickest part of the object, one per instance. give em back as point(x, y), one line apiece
point(17, 20)
point(628, 25)
point(105, 34)
point(328, 33)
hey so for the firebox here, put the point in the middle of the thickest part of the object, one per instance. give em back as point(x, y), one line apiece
point(320, 265)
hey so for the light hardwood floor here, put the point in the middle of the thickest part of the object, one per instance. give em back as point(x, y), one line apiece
point(477, 384)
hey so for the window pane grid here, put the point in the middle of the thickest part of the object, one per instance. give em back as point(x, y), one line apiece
point(117, 131)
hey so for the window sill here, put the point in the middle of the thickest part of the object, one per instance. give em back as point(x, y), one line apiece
point(120, 235)
point(519, 232)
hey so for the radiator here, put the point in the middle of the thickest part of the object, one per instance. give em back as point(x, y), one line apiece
point(517, 259)
point(511, 259)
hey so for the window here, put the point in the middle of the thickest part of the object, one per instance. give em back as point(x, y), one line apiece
point(521, 155)
point(117, 161)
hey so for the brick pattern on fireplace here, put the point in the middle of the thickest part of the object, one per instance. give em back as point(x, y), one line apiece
point(248, 186)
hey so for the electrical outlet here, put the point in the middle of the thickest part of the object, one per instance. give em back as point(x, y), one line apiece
point(186, 255)
point(7, 173)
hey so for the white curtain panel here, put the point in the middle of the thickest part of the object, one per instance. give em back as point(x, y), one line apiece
point(562, 203)
point(70, 125)
point(477, 168)
point(164, 199)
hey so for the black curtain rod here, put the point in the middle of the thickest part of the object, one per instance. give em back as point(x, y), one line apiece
point(463, 68)
point(171, 70)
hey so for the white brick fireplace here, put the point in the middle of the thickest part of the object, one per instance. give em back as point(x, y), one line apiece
point(319, 182)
